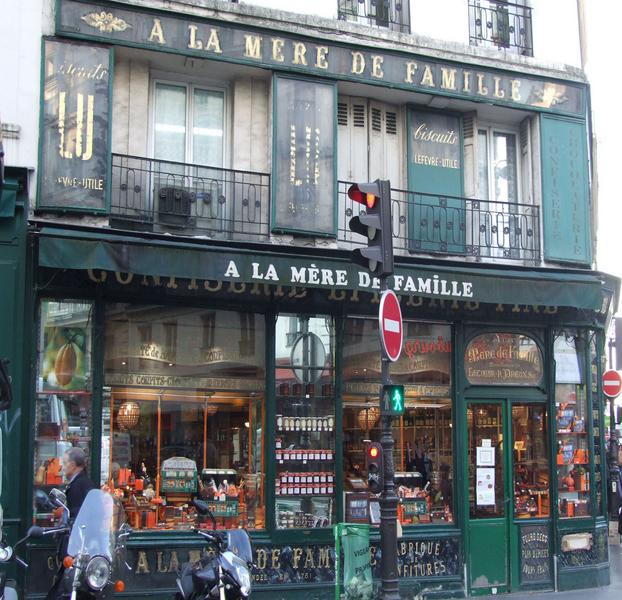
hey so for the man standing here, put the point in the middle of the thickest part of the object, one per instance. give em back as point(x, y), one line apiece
point(79, 484)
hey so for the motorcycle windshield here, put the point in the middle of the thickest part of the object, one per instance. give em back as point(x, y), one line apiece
point(239, 543)
point(94, 531)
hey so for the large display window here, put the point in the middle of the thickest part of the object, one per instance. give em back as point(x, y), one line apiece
point(423, 436)
point(63, 397)
point(183, 414)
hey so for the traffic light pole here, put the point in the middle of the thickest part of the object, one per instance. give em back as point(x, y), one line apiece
point(388, 499)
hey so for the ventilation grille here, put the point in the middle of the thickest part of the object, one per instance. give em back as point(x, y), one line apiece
point(358, 115)
point(342, 113)
point(391, 122)
point(376, 119)
point(468, 126)
point(524, 134)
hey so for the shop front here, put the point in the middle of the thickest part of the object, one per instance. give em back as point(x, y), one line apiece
point(259, 397)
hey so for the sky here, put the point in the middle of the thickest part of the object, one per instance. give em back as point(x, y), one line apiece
point(603, 19)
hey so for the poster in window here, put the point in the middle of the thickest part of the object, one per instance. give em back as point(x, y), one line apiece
point(304, 173)
point(74, 128)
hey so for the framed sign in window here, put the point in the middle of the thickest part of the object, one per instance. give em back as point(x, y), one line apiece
point(303, 191)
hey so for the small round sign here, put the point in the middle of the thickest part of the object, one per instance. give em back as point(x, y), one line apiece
point(612, 383)
point(391, 327)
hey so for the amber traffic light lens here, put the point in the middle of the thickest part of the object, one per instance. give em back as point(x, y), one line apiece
point(370, 200)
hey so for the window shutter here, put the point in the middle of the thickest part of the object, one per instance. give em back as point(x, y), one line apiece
point(469, 129)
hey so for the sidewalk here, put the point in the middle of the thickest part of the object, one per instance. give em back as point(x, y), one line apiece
point(610, 592)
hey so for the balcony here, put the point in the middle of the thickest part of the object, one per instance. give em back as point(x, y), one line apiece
point(501, 25)
point(184, 199)
point(192, 200)
point(388, 14)
point(453, 226)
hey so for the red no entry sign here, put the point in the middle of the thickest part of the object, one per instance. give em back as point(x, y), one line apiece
point(391, 329)
point(612, 383)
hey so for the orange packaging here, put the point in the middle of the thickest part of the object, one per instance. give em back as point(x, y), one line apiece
point(560, 459)
point(151, 519)
point(139, 485)
point(53, 475)
point(570, 509)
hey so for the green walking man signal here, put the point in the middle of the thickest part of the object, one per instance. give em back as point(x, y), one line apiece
point(392, 401)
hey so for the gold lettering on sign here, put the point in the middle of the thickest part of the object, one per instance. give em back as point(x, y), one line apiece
point(309, 561)
point(499, 93)
point(297, 556)
point(194, 43)
point(515, 84)
point(376, 66)
point(160, 566)
point(157, 33)
point(320, 57)
point(299, 54)
point(213, 42)
point(428, 77)
point(482, 90)
point(142, 566)
point(83, 134)
point(277, 49)
point(275, 555)
point(358, 63)
point(324, 559)
point(466, 81)
point(411, 67)
point(448, 81)
point(262, 559)
point(253, 46)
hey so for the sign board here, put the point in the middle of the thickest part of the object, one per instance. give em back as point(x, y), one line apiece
point(612, 383)
point(391, 326)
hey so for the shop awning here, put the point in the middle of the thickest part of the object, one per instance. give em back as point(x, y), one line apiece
point(82, 249)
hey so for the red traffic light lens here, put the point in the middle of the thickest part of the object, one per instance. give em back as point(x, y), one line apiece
point(373, 452)
point(355, 193)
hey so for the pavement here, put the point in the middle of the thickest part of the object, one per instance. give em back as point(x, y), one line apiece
point(610, 592)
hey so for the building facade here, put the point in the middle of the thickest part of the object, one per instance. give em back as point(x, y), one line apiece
point(186, 310)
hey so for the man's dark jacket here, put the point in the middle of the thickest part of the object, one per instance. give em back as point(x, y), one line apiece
point(76, 492)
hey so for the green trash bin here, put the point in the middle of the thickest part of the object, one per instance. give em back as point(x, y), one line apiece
point(356, 581)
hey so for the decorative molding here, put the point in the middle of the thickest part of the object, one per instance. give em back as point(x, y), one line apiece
point(106, 22)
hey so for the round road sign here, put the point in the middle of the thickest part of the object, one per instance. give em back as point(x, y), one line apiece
point(612, 383)
point(391, 328)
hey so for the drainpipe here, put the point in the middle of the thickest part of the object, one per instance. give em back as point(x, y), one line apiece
point(612, 458)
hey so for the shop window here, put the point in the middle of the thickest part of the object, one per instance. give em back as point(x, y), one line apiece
point(573, 459)
point(423, 436)
point(305, 487)
point(597, 423)
point(503, 359)
point(183, 415)
point(63, 398)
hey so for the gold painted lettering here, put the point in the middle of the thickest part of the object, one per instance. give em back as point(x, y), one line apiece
point(173, 564)
point(309, 561)
point(157, 33)
point(499, 93)
point(194, 43)
point(262, 559)
point(358, 63)
point(428, 77)
point(448, 81)
point(213, 42)
point(466, 81)
point(91, 275)
point(482, 90)
point(297, 556)
point(277, 49)
point(411, 67)
point(321, 53)
point(160, 566)
point(253, 46)
point(142, 566)
point(62, 109)
point(276, 555)
point(376, 66)
point(123, 280)
point(515, 83)
point(299, 53)
point(324, 558)
point(85, 152)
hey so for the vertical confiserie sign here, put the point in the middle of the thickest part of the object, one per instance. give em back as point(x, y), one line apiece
point(75, 119)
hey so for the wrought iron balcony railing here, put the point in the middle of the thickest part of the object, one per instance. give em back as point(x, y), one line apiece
point(392, 14)
point(163, 196)
point(501, 24)
point(453, 226)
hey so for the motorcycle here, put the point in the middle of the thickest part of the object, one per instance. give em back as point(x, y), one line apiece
point(226, 575)
point(9, 553)
point(96, 549)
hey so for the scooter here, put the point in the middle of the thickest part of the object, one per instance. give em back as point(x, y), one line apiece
point(223, 576)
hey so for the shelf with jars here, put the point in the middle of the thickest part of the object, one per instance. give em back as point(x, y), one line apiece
point(305, 456)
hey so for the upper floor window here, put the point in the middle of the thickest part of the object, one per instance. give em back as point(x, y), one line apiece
point(501, 24)
point(189, 124)
point(497, 165)
point(392, 14)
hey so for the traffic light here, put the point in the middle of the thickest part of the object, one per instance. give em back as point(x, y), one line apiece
point(375, 225)
point(375, 468)
point(392, 402)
